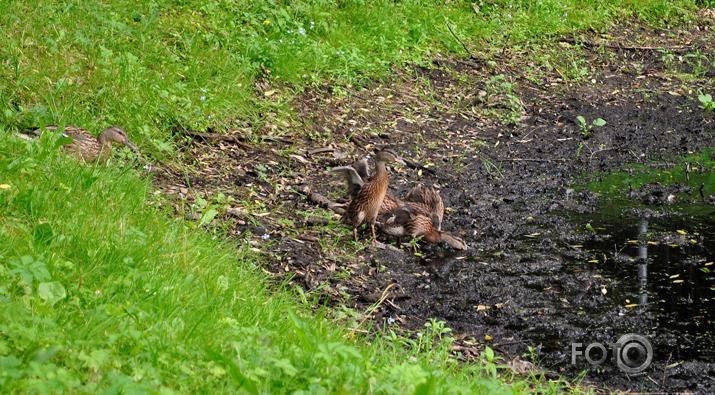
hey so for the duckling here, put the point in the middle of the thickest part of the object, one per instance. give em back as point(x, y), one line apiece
point(365, 206)
point(412, 222)
point(430, 198)
point(89, 148)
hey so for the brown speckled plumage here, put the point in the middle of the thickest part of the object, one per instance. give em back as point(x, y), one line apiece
point(412, 222)
point(430, 198)
point(365, 205)
point(89, 148)
point(354, 176)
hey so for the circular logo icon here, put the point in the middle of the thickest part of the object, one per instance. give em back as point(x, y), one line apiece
point(634, 354)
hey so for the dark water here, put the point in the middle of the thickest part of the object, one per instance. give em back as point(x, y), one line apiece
point(623, 269)
point(665, 266)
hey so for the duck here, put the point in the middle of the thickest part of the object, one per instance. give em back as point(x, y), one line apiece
point(352, 178)
point(86, 146)
point(429, 199)
point(354, 175)
point(414, 222)
point(365, 205)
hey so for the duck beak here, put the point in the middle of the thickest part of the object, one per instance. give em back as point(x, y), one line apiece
point(130, 145)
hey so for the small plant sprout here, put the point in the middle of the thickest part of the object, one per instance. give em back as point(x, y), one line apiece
point(585, 127)
point(708, 105)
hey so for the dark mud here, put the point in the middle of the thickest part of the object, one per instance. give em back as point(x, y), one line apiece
point(545, 268)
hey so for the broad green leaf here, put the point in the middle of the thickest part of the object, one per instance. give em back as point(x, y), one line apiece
point(51, 292)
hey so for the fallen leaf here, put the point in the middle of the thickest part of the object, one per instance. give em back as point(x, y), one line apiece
point(4, 186)
point(487, 337)
point(681, 232)
point(632, 305)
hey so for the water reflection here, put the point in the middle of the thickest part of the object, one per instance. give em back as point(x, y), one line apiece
point(643, 265)
point(676, 250)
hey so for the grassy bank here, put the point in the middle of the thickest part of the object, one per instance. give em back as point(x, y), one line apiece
point(152, 67)
point(99, 290)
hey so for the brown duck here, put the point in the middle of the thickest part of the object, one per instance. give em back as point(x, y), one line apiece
point(430, 199)
point(89, 148)
point(366, 203)
point(413, 222)
point(354, 176)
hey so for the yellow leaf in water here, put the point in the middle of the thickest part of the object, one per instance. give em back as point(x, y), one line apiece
point(487, 337)
point(678, 281)
point(681, 232)
point(632, 305)
point(593, 261)
point(482, 307)
point(675, 276)
point(604, 290)
point(693, 241)
point(4, 186)
point(653, 243)
point(708, 263)
point(632, 241)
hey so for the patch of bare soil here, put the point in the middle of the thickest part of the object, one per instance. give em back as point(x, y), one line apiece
point(500, 138)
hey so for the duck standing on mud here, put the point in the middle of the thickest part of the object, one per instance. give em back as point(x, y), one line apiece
point(365, 206)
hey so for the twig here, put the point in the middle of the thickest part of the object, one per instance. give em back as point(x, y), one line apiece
point(320, 151)
point(377, 304)
point(469, 63)
point(276, 139)
point(532, 160)
point(675, 49)
point(23, 136)
point(511, 343)
point(220, 137)
point(458, 39)
point(418, 166)
point(322, 200)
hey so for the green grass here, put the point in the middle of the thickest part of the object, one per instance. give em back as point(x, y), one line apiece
point(677, 172)
point(153, 67)
point(100, 291)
